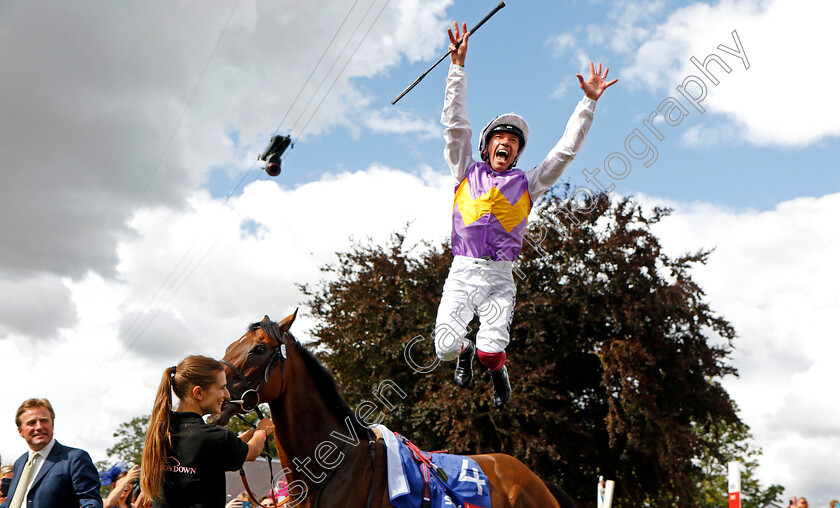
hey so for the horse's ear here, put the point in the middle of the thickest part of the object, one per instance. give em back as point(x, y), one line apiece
point(286, 324)
point(266, 319)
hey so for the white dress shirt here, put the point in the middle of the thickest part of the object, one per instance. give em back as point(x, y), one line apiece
point(37, 464)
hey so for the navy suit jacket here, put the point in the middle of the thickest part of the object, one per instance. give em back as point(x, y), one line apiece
point(67, 479)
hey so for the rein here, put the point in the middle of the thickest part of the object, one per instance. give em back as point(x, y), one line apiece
point(253, 394)
point(250, 402)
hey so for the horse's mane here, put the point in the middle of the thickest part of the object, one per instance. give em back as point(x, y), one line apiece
point(324, 381)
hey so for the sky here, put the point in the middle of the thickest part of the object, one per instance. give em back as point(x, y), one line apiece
point(137, 226)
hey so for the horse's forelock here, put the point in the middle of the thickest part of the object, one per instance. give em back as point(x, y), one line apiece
point(324, 381)
point(272, 329)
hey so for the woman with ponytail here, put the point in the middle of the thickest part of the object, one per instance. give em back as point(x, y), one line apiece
point(185, 459)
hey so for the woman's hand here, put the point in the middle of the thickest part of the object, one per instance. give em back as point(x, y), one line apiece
point(119, 487)
point(266, 425)
point(133, 474)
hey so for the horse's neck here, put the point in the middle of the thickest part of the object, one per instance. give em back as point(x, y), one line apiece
point(319, 446)
point(303, 421)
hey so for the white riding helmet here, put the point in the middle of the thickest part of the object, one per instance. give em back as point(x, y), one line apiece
point(510, 122)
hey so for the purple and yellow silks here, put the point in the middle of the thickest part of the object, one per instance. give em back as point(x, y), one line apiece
point(490, 213)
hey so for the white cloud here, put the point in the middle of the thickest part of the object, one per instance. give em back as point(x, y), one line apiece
point(568, 45)
point(773, 276)
point(203, 279)
point(189, 281)
point(563, 43)
point(36, 307)
point(780, 261)
point(157, 334)
point(786, 45)
point(777, 100)
point(92, 95)
point(112, 117)
point(560, 90)
point(402, 122)
point(707, 135)
point(629, 24)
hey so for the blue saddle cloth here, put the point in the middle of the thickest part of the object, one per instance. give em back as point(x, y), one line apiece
point(464, 484)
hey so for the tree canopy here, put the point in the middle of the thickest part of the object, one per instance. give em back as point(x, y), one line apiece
point(615, 356)
point(130, 436)
point(730, 442)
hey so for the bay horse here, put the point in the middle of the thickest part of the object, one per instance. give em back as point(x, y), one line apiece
point(331, 458)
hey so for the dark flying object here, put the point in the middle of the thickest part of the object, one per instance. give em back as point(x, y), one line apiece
point(272, 154)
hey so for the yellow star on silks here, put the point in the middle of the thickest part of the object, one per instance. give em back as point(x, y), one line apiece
point(492, 202)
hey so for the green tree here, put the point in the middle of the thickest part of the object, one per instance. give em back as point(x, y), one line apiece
point(615, 356)
point(241, 423)
point(733, 443)
point(131, 436)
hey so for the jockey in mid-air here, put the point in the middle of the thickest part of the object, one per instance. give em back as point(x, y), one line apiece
point(492, 201)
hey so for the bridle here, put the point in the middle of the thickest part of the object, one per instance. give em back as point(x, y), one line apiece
point(251, 398)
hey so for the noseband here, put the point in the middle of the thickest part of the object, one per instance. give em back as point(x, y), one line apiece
point(250, 396)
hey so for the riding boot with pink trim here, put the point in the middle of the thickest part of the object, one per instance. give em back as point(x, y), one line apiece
point(495, 363)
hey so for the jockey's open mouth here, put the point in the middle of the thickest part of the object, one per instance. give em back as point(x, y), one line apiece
point(502, 154)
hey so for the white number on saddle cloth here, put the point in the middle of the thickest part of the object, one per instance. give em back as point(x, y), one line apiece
point(465, 477)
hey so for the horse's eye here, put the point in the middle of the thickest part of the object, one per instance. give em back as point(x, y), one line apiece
point(258, 350)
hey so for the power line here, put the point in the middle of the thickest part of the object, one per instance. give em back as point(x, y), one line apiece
point(294, 101)
point(186, 106)
point(345, 66)
point(346, 44)
point(144, 319)
point(163, 154)
point(303, 87)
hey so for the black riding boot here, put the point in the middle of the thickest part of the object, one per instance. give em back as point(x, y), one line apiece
point(501, 387)
point(464, 370)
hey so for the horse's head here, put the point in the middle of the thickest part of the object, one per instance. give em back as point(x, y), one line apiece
point(254, 365)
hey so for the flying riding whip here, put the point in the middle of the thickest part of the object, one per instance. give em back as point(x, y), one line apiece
point(472, 31)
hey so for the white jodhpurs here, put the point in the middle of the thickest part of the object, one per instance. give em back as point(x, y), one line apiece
point(475, 286)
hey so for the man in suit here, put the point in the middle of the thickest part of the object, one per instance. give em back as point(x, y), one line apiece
point(50, 474)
